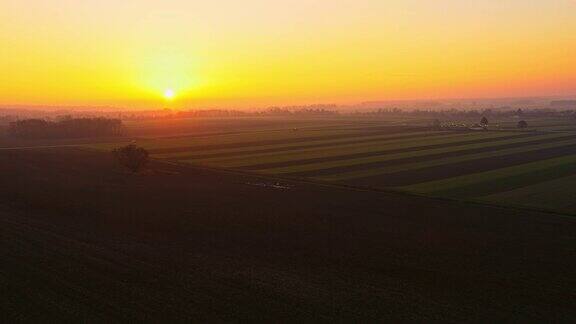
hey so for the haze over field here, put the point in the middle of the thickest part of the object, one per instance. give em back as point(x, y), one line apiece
point(305, 161)
point(145, 53)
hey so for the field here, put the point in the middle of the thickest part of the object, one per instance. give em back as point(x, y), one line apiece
point(533, 168)
point(85, 241)
point(286, 219)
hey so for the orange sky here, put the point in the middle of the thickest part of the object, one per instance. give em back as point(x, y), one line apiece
point(257, 52)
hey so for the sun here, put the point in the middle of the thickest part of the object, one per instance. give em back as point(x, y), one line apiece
point(169, 94)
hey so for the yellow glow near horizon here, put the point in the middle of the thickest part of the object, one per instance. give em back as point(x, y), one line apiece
point(255, 52)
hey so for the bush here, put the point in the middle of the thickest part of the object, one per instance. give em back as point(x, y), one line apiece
point(522, 124)
point(132, 157)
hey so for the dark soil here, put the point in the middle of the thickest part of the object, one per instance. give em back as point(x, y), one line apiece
point(82, 241)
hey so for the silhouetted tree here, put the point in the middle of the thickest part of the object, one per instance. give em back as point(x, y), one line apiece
point(484, 122)
point(132, 157)
point(522, 124)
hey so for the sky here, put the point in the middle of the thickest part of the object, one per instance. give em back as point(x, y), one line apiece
point(254, 53)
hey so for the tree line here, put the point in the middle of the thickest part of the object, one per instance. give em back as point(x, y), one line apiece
point(66, 128)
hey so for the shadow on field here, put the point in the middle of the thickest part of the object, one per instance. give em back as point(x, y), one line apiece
point(84, 240)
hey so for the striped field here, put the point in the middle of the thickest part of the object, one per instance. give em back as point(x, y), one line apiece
point(534, 168)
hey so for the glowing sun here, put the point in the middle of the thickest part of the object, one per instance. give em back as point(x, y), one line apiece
point(169, 94)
